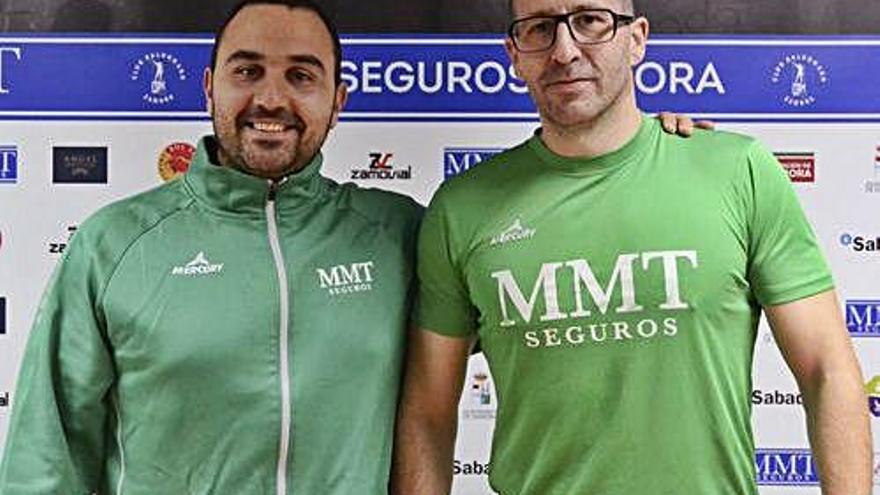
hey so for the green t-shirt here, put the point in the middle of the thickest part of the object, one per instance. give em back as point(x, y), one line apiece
point(617, 300)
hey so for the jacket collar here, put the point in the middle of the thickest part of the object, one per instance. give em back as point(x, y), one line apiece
point(232, 191)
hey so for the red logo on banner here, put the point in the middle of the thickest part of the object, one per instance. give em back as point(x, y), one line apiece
point(175, 159)
point(801, 167)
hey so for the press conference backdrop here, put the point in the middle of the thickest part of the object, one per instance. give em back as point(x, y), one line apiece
point(85, 120)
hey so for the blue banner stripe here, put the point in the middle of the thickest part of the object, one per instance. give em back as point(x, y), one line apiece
point(407, 77)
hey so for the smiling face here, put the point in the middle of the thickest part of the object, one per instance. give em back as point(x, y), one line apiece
point(572, 84)
point(272, 95)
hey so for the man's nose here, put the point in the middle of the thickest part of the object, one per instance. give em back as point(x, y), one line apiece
point(271, 94)
point(565, 50)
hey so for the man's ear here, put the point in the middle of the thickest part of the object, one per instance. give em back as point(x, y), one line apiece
point(639, 31)
point(208, 86)
point(338, 103)
point(512, 54)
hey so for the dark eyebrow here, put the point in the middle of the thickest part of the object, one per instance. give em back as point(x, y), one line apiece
point(251, 56)
point(308, 60)
point(244, 55)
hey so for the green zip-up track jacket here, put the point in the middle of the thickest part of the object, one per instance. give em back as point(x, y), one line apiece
point(219, 335)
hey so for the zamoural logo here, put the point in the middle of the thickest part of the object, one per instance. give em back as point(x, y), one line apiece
point(58, 246)
point(381, 167)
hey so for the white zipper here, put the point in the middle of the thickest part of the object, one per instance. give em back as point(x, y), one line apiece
point(119, 444)
point(284, 445)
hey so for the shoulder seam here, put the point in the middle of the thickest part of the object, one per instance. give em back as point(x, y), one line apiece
point(102, 291)
point(408, 203)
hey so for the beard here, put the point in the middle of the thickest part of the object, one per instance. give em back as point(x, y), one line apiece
point(243, 148)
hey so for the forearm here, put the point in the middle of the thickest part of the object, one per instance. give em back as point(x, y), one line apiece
point(838, 425)
point(815, 343)
point(423, 454)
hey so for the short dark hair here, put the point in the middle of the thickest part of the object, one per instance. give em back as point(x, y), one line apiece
point(291, 4)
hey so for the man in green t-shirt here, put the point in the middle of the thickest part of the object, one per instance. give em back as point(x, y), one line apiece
point(615, 276)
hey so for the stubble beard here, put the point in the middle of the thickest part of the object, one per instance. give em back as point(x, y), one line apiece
point(592, 109)
point(233, 152)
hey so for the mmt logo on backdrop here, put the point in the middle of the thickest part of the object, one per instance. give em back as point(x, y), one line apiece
point(785, 467)
point(8, 164)
point(459, 160)
point(862, 317)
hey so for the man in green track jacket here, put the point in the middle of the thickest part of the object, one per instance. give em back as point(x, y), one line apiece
point(238, 331)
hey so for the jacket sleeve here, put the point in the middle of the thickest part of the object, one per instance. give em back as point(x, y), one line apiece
point(57, 434)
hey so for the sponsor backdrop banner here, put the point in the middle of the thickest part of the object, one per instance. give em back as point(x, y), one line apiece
point(85, 120)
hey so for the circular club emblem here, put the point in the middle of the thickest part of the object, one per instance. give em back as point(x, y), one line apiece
point(175, 159)
point(801, 75)
point(156, 70)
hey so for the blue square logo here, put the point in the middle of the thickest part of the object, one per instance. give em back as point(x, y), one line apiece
point(786, 467)
point(8, 164)
point(863, 317)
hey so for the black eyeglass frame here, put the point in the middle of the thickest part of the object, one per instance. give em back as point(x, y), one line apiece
point(619, 20)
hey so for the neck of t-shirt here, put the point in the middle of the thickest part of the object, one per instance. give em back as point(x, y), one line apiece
point(606, 134)
point(632, 149)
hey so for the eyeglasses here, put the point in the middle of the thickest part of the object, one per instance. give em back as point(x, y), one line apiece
point(587, 27)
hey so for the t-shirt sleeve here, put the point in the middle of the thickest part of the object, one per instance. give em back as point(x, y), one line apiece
point(443, 304)
point(785, 261)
